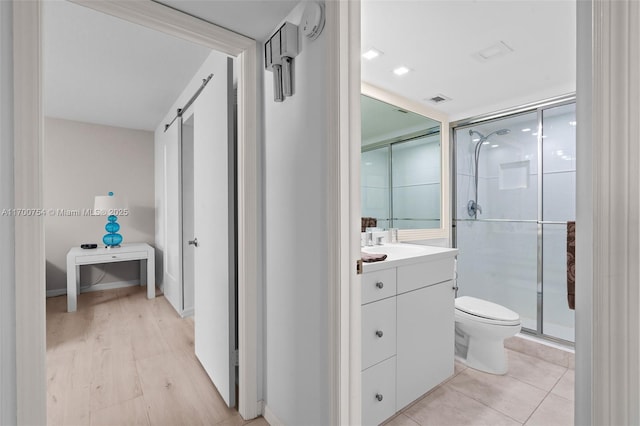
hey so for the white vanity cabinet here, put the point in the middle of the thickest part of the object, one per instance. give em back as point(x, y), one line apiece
point(407, 331)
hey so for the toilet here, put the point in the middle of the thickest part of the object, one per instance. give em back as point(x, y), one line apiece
point(481, 328)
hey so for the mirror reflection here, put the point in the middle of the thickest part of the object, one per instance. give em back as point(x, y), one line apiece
point(400, 167)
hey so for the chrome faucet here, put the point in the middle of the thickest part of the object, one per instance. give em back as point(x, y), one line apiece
point(369, 238)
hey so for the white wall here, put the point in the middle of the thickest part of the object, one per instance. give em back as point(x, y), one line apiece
point(82, 160)
point(7, 271)
point(296, 241)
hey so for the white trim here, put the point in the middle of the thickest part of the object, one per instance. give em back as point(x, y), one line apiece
point(343, 209)
point(445, 178)
point(614, 264)
point(187, 313)
point(29, 236)
point(270, 417)
point(30, 258)
point(584, 216)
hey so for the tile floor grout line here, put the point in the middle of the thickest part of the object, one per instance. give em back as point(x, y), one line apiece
point(536, 409)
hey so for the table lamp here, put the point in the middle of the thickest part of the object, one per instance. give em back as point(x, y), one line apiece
point(111, 205)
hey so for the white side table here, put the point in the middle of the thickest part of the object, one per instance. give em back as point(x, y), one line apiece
point(78, 256)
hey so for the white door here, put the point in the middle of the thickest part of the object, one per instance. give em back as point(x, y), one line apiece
point(172, 256)
point(214, 216)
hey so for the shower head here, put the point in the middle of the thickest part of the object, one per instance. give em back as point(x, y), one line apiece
point(483, 138)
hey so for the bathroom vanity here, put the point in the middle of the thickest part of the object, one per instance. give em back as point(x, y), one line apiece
point(407, 326)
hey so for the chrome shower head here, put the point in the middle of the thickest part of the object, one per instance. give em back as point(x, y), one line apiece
point(503, 132)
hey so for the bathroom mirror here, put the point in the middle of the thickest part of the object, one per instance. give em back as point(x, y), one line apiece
point(403, 165)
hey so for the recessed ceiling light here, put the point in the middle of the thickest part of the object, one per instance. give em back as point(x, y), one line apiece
point(494, 146)
point(534, 134)
point(371, 54)
point(485, 142)
point(401, 70)
point(526, 130)
point(475, 140)
point(572, 123)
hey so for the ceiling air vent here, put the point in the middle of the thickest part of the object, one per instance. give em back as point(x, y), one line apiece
point(438, 99)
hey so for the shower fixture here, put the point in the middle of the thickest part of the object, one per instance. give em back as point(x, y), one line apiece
point(472, 206)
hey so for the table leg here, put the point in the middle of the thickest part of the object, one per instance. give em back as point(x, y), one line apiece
point(151, 275)
point(73, 284)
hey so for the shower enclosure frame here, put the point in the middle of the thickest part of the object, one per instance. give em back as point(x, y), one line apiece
point(538, 108)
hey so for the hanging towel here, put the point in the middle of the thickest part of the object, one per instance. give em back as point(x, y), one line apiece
point(571, 264)
point(372, 257)
point(368, 222)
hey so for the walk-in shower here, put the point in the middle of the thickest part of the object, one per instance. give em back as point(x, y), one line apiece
point(472, 206)
point(513, 246)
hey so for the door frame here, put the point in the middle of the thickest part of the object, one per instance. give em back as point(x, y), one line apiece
point(28, 145)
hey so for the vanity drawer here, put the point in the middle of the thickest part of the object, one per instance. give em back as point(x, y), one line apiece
point(378, 331)
point(412, 277)
point(110, 257)
point(379, 392)
point(378, 285)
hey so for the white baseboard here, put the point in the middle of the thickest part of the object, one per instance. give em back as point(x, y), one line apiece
point(260, 406)
point(187, 313)
point(270, 417)
point(56, 292)
point(97, 287)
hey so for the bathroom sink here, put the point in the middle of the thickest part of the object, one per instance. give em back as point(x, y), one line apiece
point(396, 251)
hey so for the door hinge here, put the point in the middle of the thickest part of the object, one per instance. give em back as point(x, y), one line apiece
point(235, 356)
point(359, 267)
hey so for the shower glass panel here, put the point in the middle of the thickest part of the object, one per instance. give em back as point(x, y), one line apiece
point(558, 207)
point(511, 230)
point(498, 246)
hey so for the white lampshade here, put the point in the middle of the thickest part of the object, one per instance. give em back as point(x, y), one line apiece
point(110, 203)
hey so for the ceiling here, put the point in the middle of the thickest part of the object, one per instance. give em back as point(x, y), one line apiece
point(439, 41)
point(103, 70)
point(258, 24)
point(99, 69)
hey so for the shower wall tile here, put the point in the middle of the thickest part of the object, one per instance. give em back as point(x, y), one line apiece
point(559, 196)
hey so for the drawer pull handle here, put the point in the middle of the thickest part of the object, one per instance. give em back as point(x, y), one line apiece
point(380, 284)
point(379, 396)
point(379, 333)
point(114, 257)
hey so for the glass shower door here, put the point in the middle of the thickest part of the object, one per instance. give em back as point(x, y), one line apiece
point(498, 258)
point(558, 201)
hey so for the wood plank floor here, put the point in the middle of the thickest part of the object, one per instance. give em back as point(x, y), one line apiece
point(122, 359)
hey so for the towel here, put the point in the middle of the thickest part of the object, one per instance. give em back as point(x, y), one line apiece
point(368, 222)
point(373, 257)
point(571, 264)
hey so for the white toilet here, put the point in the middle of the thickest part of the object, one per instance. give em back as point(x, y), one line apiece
point(481, 328)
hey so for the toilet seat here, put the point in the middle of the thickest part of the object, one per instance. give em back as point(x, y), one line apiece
point(462, 315)
point(486, 312)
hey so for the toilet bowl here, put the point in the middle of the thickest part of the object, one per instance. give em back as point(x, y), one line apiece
point(481, 328)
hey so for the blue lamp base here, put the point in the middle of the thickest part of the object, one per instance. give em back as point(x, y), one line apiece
point(112, 239)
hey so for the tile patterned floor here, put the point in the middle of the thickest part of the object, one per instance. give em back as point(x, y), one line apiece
point(534, 392)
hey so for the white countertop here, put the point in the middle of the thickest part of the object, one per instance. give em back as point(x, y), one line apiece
point(405, 254)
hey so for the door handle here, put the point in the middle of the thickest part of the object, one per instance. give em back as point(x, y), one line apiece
point(193, 242)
